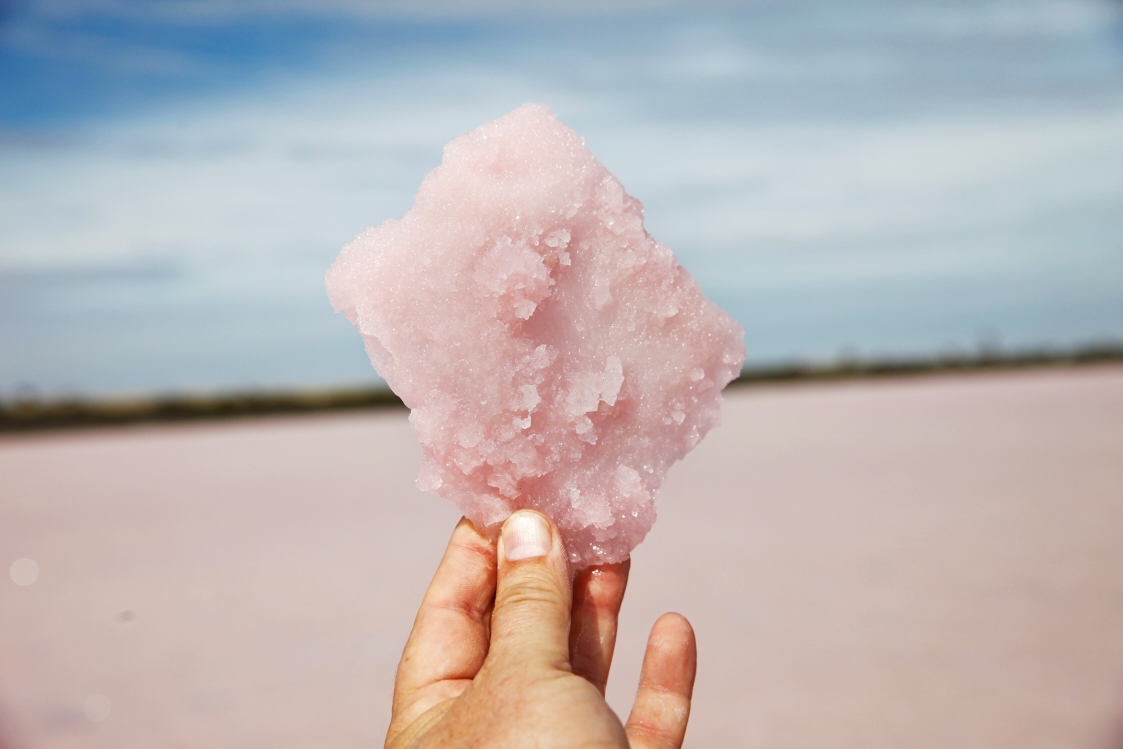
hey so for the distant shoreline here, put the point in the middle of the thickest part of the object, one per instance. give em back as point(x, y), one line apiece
point(25, 415)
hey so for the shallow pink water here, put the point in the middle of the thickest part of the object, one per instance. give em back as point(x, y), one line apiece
point(926, 563)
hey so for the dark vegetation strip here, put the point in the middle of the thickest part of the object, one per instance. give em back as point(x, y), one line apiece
point(30, 414)
point(850, 369)
point(27, 415)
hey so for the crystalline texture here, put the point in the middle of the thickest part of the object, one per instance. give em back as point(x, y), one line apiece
point(553, 354)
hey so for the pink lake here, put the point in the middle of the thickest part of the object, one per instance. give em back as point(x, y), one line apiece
point(935, 562)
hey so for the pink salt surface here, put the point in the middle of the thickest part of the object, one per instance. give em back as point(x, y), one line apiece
point(926, 564)
point(553, 354)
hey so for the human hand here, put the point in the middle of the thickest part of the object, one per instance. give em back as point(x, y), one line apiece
point(509, 651)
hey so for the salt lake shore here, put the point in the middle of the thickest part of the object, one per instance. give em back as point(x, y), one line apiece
point(924, 561)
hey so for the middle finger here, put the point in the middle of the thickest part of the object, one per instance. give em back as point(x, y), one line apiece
point(597, 594)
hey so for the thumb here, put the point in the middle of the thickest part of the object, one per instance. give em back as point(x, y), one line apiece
point(533, 596)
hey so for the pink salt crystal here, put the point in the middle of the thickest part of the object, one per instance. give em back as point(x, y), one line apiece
point(553, 354)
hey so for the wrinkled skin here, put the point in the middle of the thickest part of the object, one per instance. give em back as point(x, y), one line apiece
point(514, 652)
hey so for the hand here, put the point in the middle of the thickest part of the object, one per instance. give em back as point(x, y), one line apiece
point(509, 651)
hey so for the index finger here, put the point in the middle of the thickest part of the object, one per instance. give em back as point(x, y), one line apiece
point(452, 630)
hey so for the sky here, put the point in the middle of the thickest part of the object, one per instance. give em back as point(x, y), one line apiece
point(849, 178)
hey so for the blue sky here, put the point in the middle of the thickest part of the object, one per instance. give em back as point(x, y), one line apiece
point(846, 177)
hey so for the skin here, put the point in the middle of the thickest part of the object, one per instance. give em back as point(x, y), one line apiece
point(516, 653)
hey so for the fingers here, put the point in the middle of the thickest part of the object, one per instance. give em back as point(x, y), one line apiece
point(530, 623)
point(666, 683)
point(450, 636)
point(597, 595)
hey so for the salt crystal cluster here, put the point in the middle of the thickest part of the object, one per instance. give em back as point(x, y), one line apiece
point(553, 354)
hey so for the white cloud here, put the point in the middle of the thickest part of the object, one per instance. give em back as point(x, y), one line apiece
point(276, 177)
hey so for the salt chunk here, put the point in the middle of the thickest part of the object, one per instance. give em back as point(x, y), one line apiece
point(613, 380)
point(627, 480)
point(546, 345)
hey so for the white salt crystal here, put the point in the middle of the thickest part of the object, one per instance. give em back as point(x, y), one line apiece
point(546, 344)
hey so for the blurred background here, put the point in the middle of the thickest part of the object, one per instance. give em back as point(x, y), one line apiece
point(931, 561)
point(861, 178)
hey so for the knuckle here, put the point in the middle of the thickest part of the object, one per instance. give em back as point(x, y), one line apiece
point(473, 553)
point(530, 588)
point(468, 610)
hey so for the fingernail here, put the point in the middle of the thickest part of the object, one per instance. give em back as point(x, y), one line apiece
point(526, 536)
